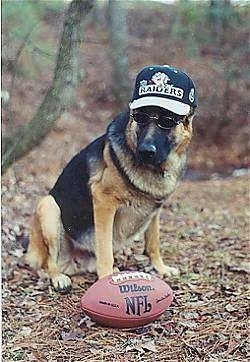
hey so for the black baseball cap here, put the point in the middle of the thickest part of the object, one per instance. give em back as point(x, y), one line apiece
point(164, 86)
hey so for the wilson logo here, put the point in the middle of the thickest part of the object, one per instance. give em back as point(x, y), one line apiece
point(125, 288)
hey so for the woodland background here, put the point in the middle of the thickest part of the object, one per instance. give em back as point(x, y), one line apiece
point(208, 39)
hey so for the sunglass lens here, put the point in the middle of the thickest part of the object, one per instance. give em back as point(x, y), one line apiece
point(141, 118)
point(166, 122)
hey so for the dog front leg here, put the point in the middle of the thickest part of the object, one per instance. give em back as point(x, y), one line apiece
point(44, 246)
point(152, 248)
point(104, 213)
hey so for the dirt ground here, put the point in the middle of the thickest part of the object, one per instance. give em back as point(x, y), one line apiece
point(204, 231)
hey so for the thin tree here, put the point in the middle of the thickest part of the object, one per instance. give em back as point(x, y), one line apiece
point(220, 15)
point(118, 37)
point(61, 92)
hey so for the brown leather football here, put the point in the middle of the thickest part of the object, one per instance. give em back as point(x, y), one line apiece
point(127, 299)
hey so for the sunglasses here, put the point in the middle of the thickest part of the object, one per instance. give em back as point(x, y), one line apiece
point(163, 122)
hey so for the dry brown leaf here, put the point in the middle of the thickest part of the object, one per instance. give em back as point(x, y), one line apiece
point(230, 308)
point(149, 346)
point(72, 335)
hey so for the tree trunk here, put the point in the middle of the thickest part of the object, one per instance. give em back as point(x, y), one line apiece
point(219, 18)
point(61, 92)
point(118, 51)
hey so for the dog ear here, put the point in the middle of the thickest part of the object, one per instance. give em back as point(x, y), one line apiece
point(189, 118)
point(192, 112)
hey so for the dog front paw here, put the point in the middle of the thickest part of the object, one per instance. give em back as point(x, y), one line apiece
point(61, 283)
point(163, 269)
point(168, 271)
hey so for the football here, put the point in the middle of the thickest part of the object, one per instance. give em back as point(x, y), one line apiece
point(127, 299)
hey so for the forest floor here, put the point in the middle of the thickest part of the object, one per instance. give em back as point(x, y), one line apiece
point(204, 231)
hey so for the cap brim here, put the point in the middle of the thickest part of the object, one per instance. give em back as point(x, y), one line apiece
point(174, 106)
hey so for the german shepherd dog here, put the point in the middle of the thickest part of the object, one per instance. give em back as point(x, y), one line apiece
point(108, 194)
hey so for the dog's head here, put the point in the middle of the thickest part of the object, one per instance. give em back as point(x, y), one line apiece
point(162, 108)
point(154, 132)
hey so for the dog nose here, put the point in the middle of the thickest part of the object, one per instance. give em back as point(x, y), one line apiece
point(147, 152)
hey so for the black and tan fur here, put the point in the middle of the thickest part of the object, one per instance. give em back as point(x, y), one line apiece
point(104, 198)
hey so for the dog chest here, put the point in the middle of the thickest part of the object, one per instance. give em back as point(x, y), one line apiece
point(132, 220)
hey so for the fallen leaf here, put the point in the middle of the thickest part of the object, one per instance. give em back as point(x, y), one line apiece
point(190, 315)
point(141, 330)
point(72, 335)
point(214, 227)
point(135, 347)
point(141, 258)
point(149, 346)
point(94, 351)
point(244, 267)
point(230, 308)
point(17, 253)
point(26, 331)
point(188, 324)
point(86, 320)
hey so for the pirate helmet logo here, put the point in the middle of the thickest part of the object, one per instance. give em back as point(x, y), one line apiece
point(160, 78)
